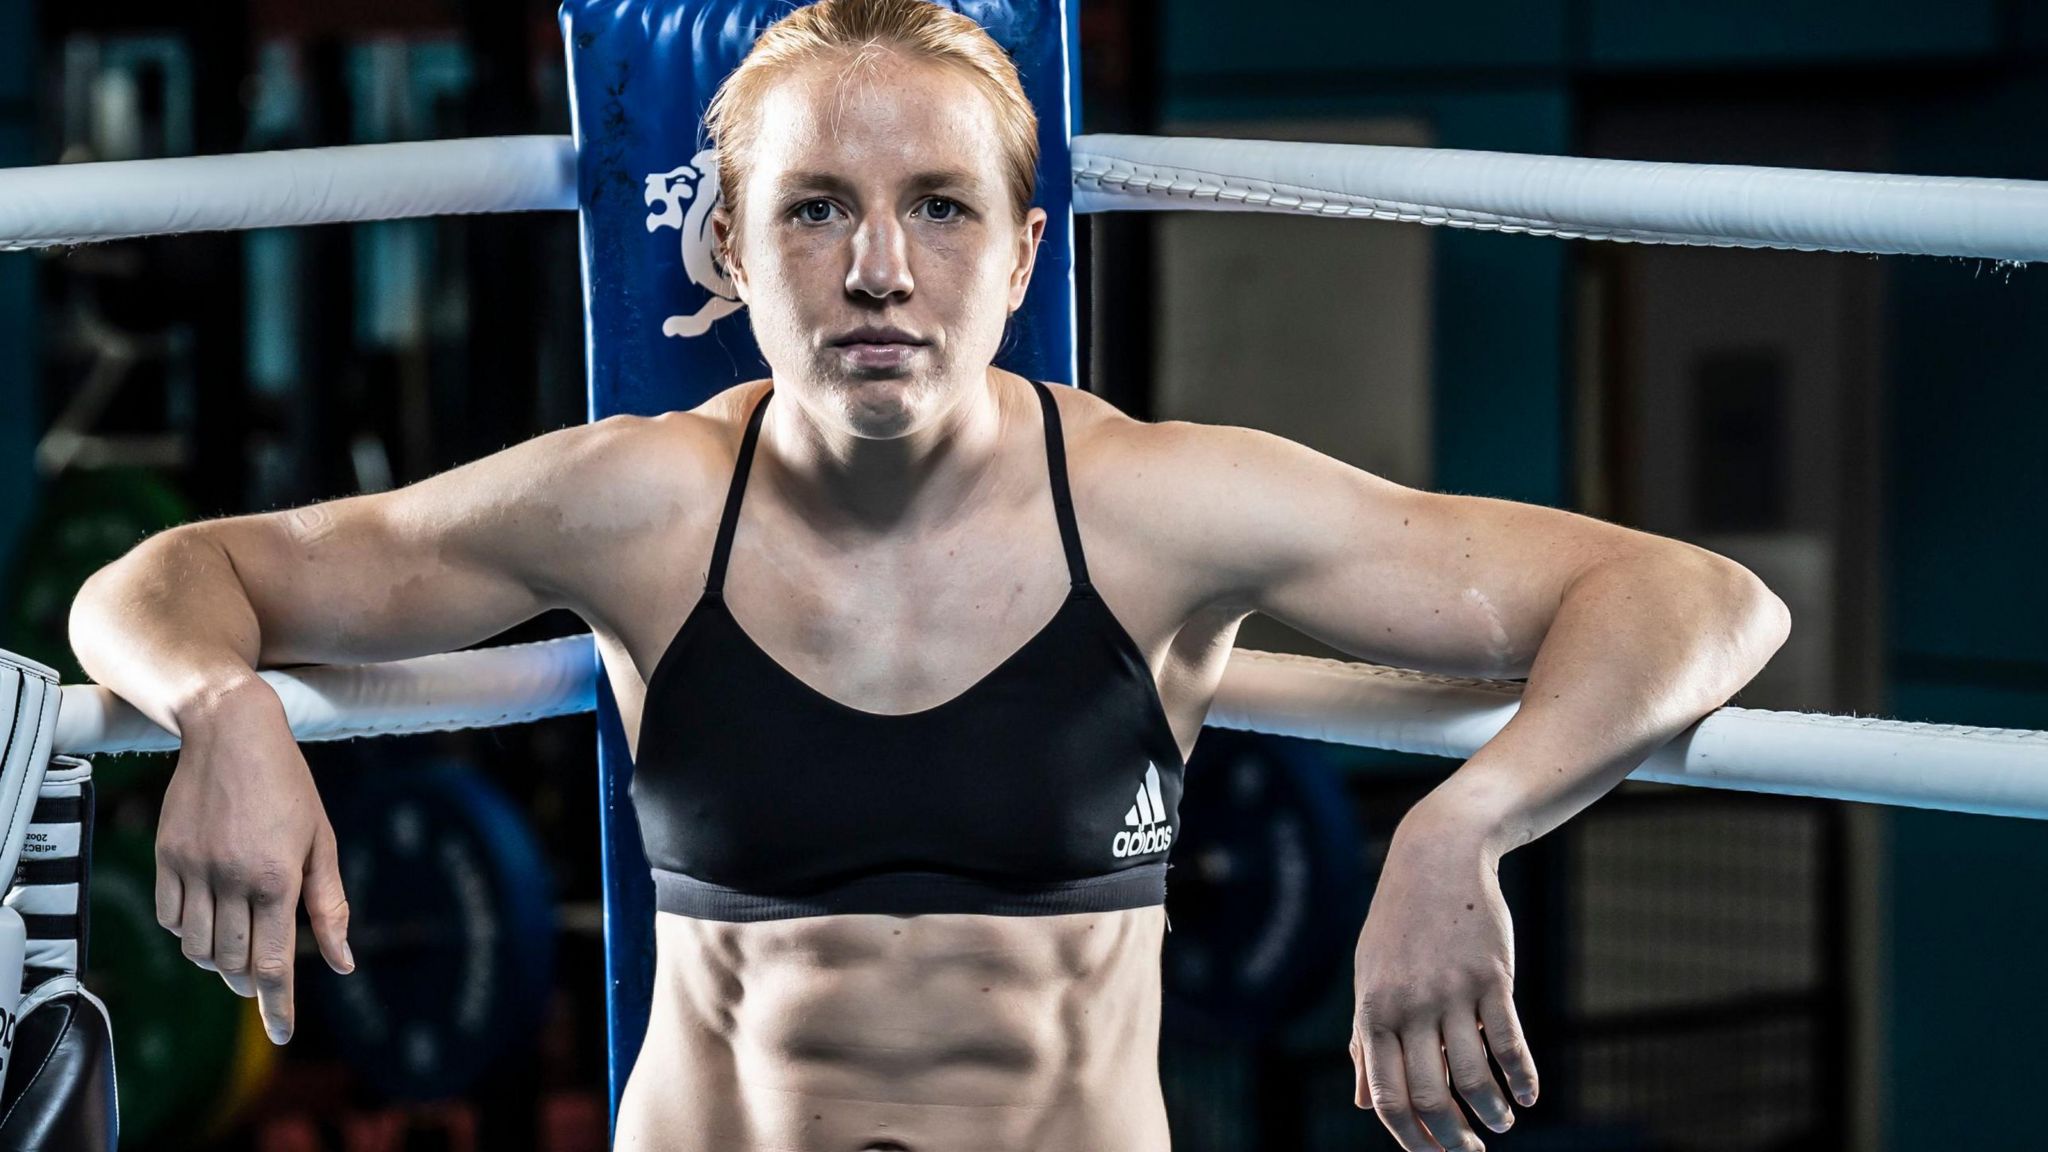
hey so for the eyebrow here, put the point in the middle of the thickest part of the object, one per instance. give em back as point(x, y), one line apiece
point(829, 182)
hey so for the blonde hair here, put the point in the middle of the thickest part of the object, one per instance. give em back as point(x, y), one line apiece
point(863, 28)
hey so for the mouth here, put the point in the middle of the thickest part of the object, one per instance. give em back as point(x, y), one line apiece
point(876, 336)
point(878, 348)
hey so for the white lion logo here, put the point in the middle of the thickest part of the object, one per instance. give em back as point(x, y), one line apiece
point(669, 189)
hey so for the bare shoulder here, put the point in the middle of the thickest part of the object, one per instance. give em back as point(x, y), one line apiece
point(1177, 475)
point(1103, 439)
point(623, 472)
point(1145, 494)
point(1225, 508)
point(602, 501)
point(642, 466)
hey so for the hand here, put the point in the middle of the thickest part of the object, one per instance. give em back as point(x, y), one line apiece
point(1434, 967)
point(241, 835)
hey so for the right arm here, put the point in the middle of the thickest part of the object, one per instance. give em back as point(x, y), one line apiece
point(179, 625)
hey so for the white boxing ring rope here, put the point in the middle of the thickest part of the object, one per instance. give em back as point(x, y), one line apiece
point(477, 688)
point(1635, 201)
point(52, 204)
point(1628, 200)
point(1994, 771)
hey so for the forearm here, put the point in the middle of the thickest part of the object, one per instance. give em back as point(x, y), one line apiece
point(169, 629)
point(1640, 649)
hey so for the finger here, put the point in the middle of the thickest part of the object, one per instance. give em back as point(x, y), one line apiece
point(1386, 1087)
point(231, 941)
point(170, 897)
point(275, 931)
point(1429, 1088)
point(1504, 1037)
point(327, 903)
point(1470, 1074)
point(195, 925)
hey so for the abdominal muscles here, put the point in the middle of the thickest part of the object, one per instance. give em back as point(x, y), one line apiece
point(902, 1034)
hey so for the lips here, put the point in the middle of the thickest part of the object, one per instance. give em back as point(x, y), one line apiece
point(874, 336)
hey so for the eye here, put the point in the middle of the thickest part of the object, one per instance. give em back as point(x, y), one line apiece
point(940, 210)
point(814, 211)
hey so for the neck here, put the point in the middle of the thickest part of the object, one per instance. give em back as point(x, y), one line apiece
point(864, 486)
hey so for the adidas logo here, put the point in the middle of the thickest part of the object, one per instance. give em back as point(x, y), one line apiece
point(1148, 831)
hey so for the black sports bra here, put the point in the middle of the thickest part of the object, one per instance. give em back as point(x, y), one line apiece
point(1050, 786)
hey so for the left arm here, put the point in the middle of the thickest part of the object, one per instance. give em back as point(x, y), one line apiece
point(1625, 638)
point(1637, 648)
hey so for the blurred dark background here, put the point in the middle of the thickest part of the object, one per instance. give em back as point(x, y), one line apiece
point(1698, 970)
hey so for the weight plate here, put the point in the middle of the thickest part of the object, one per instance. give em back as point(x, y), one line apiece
point(451, 925)
point(1266, 893)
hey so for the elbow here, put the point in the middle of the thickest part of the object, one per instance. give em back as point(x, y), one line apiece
point(116, 585)
point(1781, 621)
point(1761, 622)
point(99, 592)
point(91, 609)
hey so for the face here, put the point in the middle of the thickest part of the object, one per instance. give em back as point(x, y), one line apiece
point(877, 249)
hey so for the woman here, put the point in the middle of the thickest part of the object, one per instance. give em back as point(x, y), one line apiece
point(895, 636)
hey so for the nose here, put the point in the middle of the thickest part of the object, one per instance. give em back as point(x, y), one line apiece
point(881, 259)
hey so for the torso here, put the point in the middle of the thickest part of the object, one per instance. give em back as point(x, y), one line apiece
point(844, 1033)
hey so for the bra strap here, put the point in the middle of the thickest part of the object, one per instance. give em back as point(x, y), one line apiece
point(714, 581)
point(1062, 496)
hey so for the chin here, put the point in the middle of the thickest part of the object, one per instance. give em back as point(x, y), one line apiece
point(884, 406)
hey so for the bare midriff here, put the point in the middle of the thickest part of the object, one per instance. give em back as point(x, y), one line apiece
point(865, 1033)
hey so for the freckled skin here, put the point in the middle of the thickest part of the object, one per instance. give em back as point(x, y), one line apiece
point(814, 260)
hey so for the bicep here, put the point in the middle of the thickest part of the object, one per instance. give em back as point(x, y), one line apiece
point(434, 566)
point(336, 583)
point(1462, 585)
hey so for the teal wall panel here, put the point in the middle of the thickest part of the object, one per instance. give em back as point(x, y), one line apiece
point(1970, 421)
point(1213, 37)
point(1968, 628)
point(17, 59)
point(1967, 1020)
point(1970, 410)
point(1688, 32)
point(2030, 23)
point(1964, 931)
point(1501, 316)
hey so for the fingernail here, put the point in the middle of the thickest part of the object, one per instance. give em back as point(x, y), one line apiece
point(347, 956)
point(278, 1035)
point(1527, 1098)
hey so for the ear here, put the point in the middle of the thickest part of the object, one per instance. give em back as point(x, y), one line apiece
point(725, 242)
point(1029, 234)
